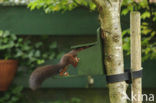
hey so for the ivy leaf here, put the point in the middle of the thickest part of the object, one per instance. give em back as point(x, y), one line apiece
point(53, 45)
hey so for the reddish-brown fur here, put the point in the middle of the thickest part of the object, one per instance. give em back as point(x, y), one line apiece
point(44, 72)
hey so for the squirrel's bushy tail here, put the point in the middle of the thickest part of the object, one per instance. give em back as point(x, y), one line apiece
point(33, 84)
point(42, 73)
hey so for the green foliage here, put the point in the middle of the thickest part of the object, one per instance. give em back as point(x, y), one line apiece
point(148, 16)
point(13, 95)
point(148, 25)
point(28, 52)
point(60, 5)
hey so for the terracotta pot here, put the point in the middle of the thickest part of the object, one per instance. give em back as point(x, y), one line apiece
point(7, 71)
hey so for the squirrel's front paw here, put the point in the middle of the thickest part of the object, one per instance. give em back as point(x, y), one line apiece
point(66, 74)
point(76, 60)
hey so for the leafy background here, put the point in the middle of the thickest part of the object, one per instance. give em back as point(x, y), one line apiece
point(148, 18)
point(26, 48)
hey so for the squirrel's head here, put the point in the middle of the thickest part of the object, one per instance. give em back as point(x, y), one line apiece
point(69, 59)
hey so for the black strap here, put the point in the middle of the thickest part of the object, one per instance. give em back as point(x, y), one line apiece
point(126, 76)
point(137, 74)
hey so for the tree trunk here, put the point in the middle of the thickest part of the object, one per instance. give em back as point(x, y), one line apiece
point(109, 15)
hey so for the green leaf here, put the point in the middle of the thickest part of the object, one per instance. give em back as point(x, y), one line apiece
point(37, 53)
point(145, 15)
point(125, 11)
point(92, 6)
point(18, 89)
point(53, 45)
point(38, 44)
point(40, 61)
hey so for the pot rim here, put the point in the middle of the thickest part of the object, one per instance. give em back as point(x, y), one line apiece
point(8, 60)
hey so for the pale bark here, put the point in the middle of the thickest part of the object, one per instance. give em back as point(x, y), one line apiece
point(109, 15)
point(136, 56)
point(152, 1)
point(137, 1)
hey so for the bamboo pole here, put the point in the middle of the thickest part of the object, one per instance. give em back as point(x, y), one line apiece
point(136, 56)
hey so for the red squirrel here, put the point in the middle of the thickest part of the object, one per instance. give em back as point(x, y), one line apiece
point(44, 72)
